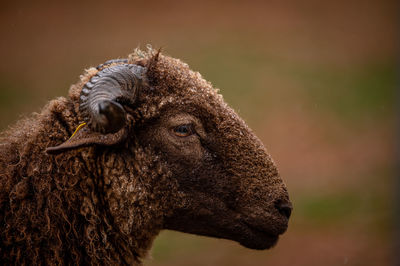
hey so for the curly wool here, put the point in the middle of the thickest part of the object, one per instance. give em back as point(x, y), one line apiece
point(93, 205)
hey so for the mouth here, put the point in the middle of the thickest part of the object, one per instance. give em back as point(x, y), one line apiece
point(257, 238)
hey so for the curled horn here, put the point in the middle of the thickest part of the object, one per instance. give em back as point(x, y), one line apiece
point(103, 97)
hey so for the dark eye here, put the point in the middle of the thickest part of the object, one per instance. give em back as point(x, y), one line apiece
point(183, 130)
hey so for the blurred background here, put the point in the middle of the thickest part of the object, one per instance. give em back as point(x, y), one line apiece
point(316, 80)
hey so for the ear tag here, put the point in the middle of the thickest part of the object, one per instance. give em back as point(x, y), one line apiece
point(77, 129)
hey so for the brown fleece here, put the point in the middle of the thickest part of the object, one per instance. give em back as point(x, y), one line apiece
point(106, 204)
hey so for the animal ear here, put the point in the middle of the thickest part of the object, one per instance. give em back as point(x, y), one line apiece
point(84, 137)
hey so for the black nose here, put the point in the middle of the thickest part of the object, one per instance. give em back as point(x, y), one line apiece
point(284, 208)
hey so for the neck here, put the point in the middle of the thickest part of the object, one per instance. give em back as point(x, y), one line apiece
point(92, 205)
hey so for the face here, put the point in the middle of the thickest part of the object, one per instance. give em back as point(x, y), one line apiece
point(230, 187)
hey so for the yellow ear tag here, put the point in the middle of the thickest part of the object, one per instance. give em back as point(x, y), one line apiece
point(77, 129)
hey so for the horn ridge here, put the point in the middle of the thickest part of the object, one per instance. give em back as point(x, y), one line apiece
point(112, 61)
point(102, 98)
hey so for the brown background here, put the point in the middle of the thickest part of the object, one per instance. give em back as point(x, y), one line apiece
point(314, 79)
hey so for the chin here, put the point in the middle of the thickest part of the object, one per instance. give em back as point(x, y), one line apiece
point(260, 244)
point(254, 237)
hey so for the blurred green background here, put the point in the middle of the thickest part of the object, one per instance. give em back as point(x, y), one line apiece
point(316, 80)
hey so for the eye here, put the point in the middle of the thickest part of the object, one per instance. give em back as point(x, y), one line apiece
point(183, 130)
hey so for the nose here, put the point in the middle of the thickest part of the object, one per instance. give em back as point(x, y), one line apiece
point(284, 208)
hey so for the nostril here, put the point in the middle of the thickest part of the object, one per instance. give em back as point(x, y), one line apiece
point(284, 208)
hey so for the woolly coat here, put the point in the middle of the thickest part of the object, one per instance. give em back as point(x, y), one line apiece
point(85, 206)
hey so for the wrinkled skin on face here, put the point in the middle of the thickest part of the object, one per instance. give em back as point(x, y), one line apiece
point(231, 188)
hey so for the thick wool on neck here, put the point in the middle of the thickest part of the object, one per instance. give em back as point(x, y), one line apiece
point(93, 205)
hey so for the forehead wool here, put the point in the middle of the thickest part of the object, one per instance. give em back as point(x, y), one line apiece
point(169, 80)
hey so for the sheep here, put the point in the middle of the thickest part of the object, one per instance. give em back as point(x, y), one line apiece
point(141, 145)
